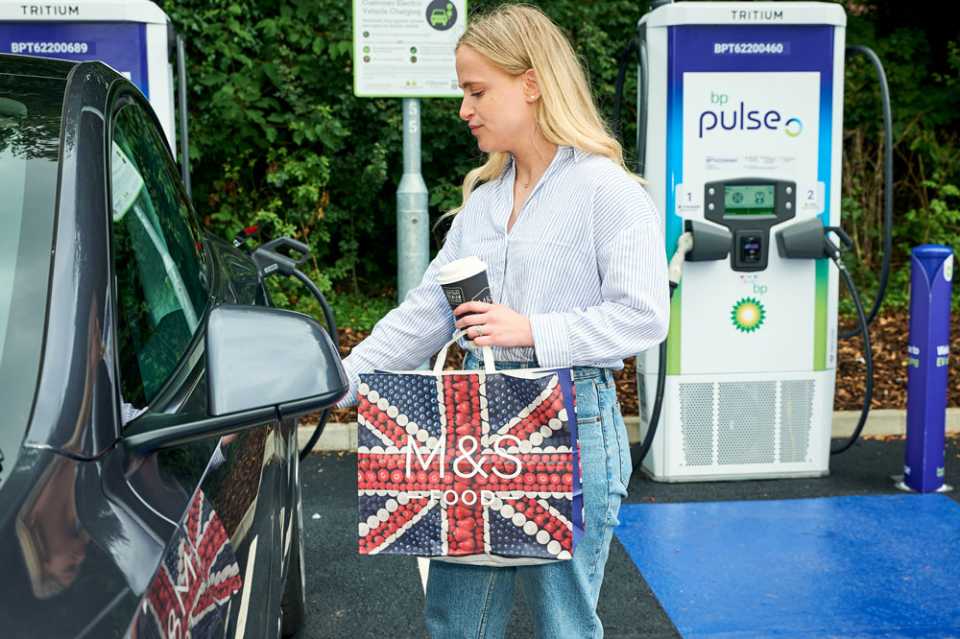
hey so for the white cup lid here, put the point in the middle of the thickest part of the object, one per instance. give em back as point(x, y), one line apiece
point(461, 269)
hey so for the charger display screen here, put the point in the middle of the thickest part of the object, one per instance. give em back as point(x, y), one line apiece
point(748, 199)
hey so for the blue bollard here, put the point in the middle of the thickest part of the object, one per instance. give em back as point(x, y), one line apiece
point(928, 355)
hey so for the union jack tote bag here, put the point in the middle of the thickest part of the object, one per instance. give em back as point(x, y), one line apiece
point(471, 466)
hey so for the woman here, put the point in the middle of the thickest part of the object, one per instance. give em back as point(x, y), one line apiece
point(576, 261)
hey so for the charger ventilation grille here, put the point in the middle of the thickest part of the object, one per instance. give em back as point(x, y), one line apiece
point(735, 423)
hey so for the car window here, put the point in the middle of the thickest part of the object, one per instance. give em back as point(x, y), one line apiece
point(29, 160)
point(157, 256)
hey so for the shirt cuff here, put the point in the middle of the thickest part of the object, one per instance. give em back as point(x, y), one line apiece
point(551, 340)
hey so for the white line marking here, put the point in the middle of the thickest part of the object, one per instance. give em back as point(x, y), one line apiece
point(247, 585)
point(423, 564)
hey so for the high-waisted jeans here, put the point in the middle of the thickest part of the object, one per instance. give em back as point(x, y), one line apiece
point(474, 602)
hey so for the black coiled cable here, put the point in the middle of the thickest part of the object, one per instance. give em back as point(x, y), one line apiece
point(867, 356)
point(332, 326)
point(622, 61)
point(887, 186)
point(639, 451)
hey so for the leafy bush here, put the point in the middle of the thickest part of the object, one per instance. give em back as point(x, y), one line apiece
point(922, 63)
point(278, 139)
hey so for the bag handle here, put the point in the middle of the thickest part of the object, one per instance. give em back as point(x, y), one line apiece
point(442, 355)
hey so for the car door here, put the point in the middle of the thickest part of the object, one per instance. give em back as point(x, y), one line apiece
point(221, 499)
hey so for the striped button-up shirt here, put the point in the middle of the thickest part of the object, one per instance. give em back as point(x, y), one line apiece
point(584, 262)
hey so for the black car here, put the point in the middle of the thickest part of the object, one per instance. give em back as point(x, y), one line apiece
point(149, 476)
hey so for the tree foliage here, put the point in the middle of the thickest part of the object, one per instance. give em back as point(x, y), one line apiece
point(278, 138)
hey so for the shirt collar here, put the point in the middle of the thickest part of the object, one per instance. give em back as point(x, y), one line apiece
point(571, 152)
point(563, 152)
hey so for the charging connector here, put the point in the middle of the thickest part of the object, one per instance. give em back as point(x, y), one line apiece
point(283, 256)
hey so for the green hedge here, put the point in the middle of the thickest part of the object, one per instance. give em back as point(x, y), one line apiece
point(278, 138)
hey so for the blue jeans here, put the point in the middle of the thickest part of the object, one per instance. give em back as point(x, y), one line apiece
point(474, 602)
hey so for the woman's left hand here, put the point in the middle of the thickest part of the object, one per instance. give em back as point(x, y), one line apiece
point(499, 325)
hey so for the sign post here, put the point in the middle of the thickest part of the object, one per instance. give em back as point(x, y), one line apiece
point(413, 219)
point(405, 49)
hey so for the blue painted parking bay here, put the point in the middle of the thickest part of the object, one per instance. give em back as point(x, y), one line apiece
point(852, 566)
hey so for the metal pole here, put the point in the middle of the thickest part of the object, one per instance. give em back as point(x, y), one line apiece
point(184, 133)
point(413, 233)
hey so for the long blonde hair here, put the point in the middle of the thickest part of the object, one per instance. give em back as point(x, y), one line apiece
point(518, 37)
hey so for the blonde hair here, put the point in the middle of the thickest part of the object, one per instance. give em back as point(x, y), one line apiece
point(518, 37)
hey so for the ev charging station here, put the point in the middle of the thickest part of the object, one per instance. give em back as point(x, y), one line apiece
point(134, 37)
point(739, 130)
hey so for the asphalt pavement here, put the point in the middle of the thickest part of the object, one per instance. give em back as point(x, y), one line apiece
point(354, 596)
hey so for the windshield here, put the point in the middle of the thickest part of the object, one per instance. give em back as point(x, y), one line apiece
point(29, 144)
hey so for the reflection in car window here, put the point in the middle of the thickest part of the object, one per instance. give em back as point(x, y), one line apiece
point(29, 159)
point(157, 258)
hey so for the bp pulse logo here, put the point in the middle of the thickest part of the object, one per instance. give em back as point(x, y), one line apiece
point(441, 14)
point(740, 117)
point(793, 127)
point(748, 314)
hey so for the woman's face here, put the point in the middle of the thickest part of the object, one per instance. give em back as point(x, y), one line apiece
point(495, 104)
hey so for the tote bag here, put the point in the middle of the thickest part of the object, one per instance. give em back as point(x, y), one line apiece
point(472, 466)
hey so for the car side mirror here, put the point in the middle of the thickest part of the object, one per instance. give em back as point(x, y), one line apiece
point(261, 363)
point(259, 357)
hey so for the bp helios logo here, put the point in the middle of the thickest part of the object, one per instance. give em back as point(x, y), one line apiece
point(748, 314)
point(740, 117)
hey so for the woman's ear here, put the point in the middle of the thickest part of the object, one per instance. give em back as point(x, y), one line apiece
point(531, 88)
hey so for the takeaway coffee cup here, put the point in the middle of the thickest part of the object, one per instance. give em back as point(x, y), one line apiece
point(465, 280)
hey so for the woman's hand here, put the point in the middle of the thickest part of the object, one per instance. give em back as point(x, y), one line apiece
point(498, 325)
